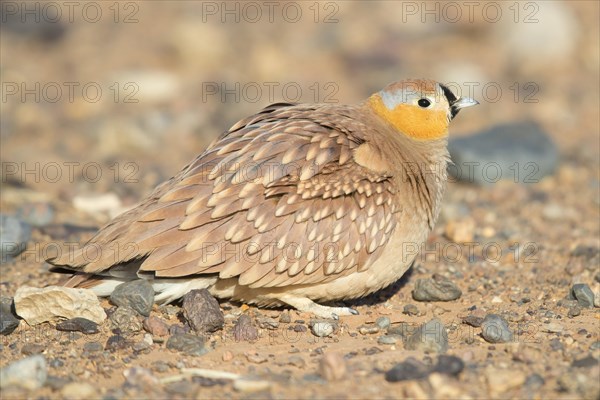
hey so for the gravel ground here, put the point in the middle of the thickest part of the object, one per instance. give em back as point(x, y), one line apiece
point(502, 302)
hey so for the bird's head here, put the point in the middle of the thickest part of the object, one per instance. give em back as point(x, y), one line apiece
point(420, 109)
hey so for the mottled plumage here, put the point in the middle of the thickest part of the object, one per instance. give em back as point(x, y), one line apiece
point(293, 204)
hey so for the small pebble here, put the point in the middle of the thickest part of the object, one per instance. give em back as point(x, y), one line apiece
point(409, 369)
point(137, 294)
point(156, 326)
point(495, 329)
point(14, 235)
point(256, 358)
point(93, 347)
point(368, 329)
point(410, 309)
point(285, 318)
point(268, 323)
point(117, 342)
point(78, 324)
point(388, 339)
point(244, 330)
point(437, 288)
point(322, 328)
point(187, 343)
point(583, 294)
point(227, 356)
point(202, 311)
point(534, 382)
point(30, 349)
point(429, 337)
point(574, 312)
point(332, 367)
point(383, 323)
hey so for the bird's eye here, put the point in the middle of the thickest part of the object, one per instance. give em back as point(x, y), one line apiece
point(424, 103)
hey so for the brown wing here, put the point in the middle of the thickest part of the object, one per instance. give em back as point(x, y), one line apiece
point(277, 200)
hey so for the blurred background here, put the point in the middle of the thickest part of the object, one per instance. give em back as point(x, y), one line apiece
point(114, 97)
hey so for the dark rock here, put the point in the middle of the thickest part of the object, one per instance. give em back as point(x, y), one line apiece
point(583, 294)
point(156, 326)
point(244, 330)
point(36, 214)
point(409, 369)
point(586, 362)
point(188, 344)
point(202, 311)
point(495, 329)
point(429, 337)
point(117, 342)
point(8, 319)
point(522, 152)
point(137, 294)
point(449, 365)
point(78, 324)
point(438, 288)
point(556, 345)
point(14, 235)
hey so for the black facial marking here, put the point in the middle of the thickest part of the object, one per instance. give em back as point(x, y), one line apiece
point(451, 100)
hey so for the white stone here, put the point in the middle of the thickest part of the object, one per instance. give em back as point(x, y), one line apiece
point(37, 305)
point(29, 373)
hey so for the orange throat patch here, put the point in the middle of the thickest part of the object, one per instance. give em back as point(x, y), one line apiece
point(417, 123)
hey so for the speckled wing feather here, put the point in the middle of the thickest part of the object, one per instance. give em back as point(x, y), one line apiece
point(277, 200)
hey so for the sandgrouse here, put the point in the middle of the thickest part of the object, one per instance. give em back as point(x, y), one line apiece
point(294, 205)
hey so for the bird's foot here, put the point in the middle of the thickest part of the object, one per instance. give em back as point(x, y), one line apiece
point(307, 305)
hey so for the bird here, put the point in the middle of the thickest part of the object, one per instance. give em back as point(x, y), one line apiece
point(298, 205)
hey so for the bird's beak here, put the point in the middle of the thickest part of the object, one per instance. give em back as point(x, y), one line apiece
point(461, 103)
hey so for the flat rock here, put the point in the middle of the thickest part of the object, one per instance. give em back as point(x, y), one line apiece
point(8, 321)
point(495, 329)
point(137, 294)
point(202, 311)
point(521, 152)
point(436, 288)
point(37, 305)
point(14, 235)
point(29, 373)
point(188, 344)
point(429, 337)
point(78, 324)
